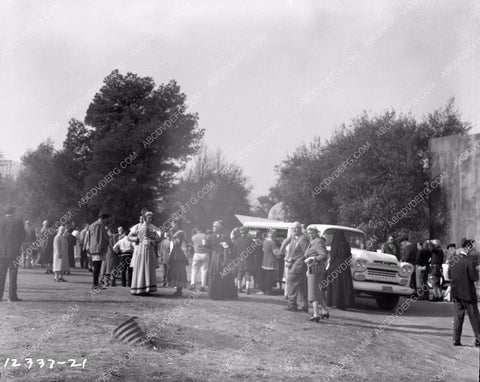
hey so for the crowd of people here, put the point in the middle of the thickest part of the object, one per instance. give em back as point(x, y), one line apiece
point(232, 263)
point(225, 263)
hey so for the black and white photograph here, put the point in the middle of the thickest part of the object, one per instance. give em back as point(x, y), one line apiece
point(239, 190)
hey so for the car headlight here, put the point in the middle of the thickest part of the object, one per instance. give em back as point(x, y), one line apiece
point(406, 270)
point(360, 264)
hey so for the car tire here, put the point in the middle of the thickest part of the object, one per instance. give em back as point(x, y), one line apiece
point(387, 301)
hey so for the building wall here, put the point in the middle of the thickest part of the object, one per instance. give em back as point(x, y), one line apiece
point(455, 207)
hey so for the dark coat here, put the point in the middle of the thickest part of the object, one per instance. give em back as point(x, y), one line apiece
point(221, 284)
point(463, 276)
point(339, 279)
point(243, 251)
point(12, 234)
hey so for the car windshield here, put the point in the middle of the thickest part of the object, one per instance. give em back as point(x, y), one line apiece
point(355, 239)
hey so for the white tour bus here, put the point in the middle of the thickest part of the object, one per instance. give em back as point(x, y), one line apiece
point(374, 274)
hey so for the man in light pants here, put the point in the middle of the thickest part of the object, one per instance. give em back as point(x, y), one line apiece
point(201, 257)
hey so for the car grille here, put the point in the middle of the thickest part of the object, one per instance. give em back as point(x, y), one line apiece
point(382, 274)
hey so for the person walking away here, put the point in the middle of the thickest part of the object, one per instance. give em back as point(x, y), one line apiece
point(47, 235)
point(144, 280)
point(83, 247)
point(435, 274)
point(72, 242)
point(201, 258)
point(315, 257)
point(284, 249)
point(296, 281)
point(449, 261)
point(221, 280)
point(60, 254)
point(409, 255)
point(98, 245)
point(77, 252)
point(258, 274)
point(30, 238)
point(340, 290)
point(421, 269)
point(269, 264)
point(12, 235)
point(110, 262)
point(165, 250)
point(177, 272)
point(124, 248)
point(463, 275)
point(243, 251)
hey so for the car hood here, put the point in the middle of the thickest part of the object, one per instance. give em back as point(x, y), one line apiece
point(373, 256)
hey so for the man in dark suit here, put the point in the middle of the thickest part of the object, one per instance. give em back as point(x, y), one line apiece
point(12, 234)
point(463, 276)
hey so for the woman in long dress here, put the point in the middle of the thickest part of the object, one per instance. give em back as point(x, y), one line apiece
point(177, 272)
point(144, 279)
point(46, 257)
point(221, 272)
point(60, 255)
point(340, 290)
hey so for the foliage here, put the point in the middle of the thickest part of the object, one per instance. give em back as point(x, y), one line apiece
point(226, 191)
point(135, 139)
point(366, 173)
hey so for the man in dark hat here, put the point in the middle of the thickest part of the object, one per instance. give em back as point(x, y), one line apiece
point(97, 239)
point(12, 234)
point(463, 276)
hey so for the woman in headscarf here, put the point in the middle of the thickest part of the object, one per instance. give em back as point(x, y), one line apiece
point(177, 272)
point(315, 257)
point(340, 289)
point(221, 272)
point(144, 280)
point(60, 254)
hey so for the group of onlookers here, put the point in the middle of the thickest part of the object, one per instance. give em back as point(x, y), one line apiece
point(459, 267)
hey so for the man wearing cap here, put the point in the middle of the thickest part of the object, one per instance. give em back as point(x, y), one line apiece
point(463, 275)
point(98, 242)
point(12, 234)
point(297, 278)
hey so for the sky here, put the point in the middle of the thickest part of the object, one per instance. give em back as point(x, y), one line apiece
point(264, 76)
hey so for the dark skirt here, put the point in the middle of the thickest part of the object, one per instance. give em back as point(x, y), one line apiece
point(177, 272)
point(221, 282)
point(340, 289)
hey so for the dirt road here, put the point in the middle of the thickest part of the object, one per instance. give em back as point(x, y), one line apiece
point(250, 339)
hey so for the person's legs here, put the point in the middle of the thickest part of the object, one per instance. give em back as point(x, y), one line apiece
point(204, 270)
point(12, 280)
point(458, 320)
point(293, 287)
point(420, 271)
point(96, 271)
point(302, 294)
point(3, 275)
point(474, 317)
point(196, 261)
point(285, 276)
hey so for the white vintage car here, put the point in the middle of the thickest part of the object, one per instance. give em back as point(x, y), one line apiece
point(375, 274)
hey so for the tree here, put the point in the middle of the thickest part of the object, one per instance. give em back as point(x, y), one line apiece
point(366, 173)
point(214, 189)
point(37, 194)
point(142, 136)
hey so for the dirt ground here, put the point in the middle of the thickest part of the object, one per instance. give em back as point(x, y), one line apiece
point(196, 339)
